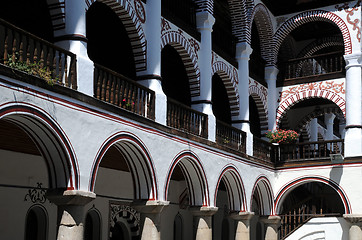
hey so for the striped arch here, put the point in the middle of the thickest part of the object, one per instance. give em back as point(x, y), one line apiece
point(264, 192)
point(205, 5)
point(57, 13)
point(188, 56)
point(310, 16)
point(133, 25)
point(128, 216)
point(138, 160)
point(303, 94)
point(239, 20)
point(51, 141)
point(195, 177)
point(287, 188)
point(234, 188)
point(319, 44)
point(261, 103)
point(264, 26)
point(227, 74)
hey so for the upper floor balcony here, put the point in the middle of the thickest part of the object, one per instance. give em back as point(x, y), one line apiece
point(26, 56)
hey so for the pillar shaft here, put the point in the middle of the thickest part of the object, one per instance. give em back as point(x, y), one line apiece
point(272, 224)
point(151, 217)
point(355, 231)
point(203, 222)
point(151, 77)
point(71, 214)
point(271, 73)
point(73, 38)
point(202, 103)
point(353, 136)
point(243, 225)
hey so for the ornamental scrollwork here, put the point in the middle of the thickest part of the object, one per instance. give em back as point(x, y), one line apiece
point(36, 195)
point(330, 85)
point(350, 12)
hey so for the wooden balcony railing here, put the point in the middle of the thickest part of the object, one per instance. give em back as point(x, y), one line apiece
point(116, 89)
point(265, 151)
point(230, 136)
point(28, 53)
point(318, 67)
point(320, 150)
point(186, 119)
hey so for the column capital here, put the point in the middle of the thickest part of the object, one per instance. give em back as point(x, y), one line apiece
point(243, 51)
point(242, 216)
point(353, 60)
point(353, 218)
point(271, 72)
point(70, 197)
point(204, 21)
point(203, 211)
point(150, 207)
point(271, 220)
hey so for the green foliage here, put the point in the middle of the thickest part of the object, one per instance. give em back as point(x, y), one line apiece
point(31, 68)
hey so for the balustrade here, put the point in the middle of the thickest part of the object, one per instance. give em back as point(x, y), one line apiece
point(230, 136)
point(186, 119)
point(265, 151)
point(116, 89)
point(28, 53)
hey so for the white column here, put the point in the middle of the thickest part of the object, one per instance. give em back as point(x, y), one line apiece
point(243, 225)
point(271, 73)
point(243, 51)
point(203, 222)
point(151, 218)
point(151, 78)
point(328, 120)
point(355, 232)
point(272, 224)
point(353, 136)
point(71, 214)
point(313, 127)
point(73, 38)
point(203, 103)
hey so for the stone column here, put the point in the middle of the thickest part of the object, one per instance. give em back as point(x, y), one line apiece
point(203, 222)
point(313, 127)
point(272, 224)
point(203, 103)
point(151, 77)
point(353, 136)
point(151, 218)
point(73, 38)
point(243, 51)
point(355, 232)
point(271, 73)
point(71, 214)
point(243, 225)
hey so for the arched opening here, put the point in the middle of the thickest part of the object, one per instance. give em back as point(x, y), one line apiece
point(306, 201)
point(178, 228)
point(31, 15)
point(120, 231)
point(92, 228)
point(254, 118)
point(108, 41)
point(256, 62)
point(326, 63)
point(220, 100)
point(175, 82)
point(223, 40)
point(221, 226)
point(36, 224)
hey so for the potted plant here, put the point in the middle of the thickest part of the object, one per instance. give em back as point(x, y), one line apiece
point(282, 136)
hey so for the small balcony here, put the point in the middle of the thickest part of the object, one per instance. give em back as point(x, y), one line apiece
point(231, 137)
point(118, 90)
point(312, 69)
point(186, 119)
point(25, 52)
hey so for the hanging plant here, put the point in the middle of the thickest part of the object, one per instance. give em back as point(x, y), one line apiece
point(282, 136)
